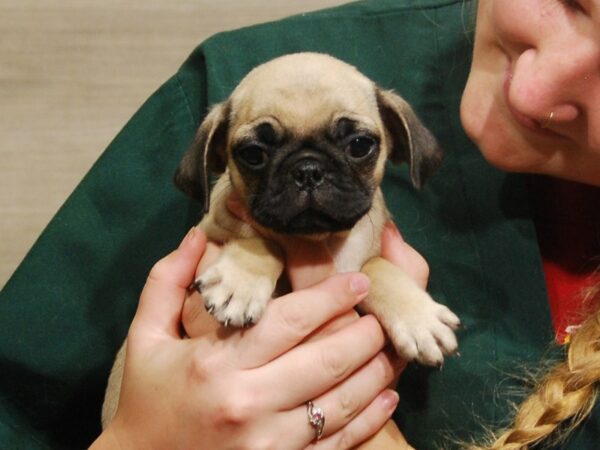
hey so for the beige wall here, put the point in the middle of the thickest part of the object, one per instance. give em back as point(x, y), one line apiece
point(71, 74)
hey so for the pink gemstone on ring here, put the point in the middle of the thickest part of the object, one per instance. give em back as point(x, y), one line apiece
point(316, 417)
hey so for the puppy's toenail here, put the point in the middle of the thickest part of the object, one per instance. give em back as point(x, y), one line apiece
point(210, 308)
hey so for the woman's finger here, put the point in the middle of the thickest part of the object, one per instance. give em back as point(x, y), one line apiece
point(332, 360)
point(161, 301)
point(401, 254)
point(342, 404)
point(333, 325)
point(348, 399)
point(362, 427)
point(288, 320)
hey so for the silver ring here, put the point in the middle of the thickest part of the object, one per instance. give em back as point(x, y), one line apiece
point(316, 419)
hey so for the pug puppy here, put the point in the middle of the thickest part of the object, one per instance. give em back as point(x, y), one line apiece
point(303, 141)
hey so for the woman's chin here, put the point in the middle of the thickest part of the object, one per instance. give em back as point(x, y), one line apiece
point(503, 158)
point(497, 138)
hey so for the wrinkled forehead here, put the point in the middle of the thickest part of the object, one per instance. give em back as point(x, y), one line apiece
point(303, 91)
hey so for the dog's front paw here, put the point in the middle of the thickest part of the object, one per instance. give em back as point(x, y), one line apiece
point(234, 295)
point(423, 330)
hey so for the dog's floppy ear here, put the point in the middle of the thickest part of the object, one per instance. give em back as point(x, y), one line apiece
point(206, 154)
point(411, 141)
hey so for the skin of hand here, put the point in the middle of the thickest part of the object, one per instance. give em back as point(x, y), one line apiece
point(247, 388)
point(306, 265)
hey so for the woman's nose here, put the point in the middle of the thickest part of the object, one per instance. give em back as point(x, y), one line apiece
point(555, 81)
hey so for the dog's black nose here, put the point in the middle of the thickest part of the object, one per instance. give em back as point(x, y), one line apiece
point(308, 173)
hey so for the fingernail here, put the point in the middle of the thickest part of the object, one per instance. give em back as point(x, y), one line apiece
point(397, 363)
point(189, 236)
point(390, 400)
point(237, 208)
point(359, 284)
point(391, 226)
point(233, 204)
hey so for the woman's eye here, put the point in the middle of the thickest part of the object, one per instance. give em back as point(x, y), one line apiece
point(360, 147)
point(253, 156)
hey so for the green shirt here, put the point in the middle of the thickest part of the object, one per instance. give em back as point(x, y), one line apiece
point(67, 308)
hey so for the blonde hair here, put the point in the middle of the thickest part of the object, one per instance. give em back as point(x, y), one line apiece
point(564, 397)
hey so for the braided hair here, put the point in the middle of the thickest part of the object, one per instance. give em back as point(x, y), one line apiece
point(564, 397)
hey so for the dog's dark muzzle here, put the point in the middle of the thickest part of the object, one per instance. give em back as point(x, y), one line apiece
point(310, 193)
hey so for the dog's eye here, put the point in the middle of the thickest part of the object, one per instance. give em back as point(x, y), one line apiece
point(253, 155)
point(360, 147)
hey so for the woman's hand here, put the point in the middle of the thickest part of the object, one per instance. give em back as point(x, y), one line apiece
point(306, 265)
point(398, 252)
point(249, 388)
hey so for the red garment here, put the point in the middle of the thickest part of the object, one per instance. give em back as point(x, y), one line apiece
point(567, 220)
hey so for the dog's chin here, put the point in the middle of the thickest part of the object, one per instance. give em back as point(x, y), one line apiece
point(309, 222)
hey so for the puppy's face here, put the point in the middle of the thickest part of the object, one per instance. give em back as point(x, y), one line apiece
point(305, 138)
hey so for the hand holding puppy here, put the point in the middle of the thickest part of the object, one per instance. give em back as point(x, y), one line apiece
point(247, 388)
